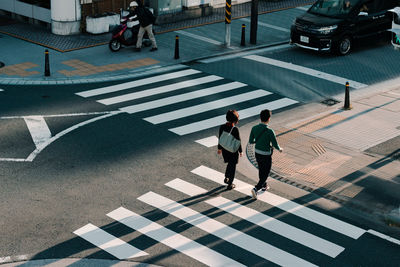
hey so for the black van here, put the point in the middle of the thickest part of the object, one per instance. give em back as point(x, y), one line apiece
point(333, 25)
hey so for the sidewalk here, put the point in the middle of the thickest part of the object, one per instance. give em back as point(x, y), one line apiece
point(86, 58)
point(348, 156)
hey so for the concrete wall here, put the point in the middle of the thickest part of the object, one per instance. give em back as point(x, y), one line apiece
point(27, 10)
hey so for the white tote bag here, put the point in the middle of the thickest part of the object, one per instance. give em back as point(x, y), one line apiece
point(229, 142)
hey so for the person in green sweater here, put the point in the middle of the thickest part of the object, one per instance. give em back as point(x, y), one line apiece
point(265, 141)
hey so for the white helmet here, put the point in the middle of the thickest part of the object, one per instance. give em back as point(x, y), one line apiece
point(133, 3)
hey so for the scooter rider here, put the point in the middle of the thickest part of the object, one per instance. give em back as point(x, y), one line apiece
point(146, 24)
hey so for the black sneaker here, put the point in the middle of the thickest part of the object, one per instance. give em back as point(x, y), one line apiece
point(153, 49)
point(231, 186)
point(266, 187)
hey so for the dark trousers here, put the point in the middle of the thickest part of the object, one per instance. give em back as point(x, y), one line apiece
point(264, 167)
point(230, 171)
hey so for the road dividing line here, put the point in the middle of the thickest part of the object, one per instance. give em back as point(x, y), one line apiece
point(303, 8)
point(268, 25)
point(208, 142)
point(193, 110)
point(137, 83)
point(386, 237)
point(1, 90)
point(159, 90)
point(244, 113)
point(305, 70)
point(38, 128)
point(109, 243)
point(182, 97)
point(286, 205)
point(227, 233)
point(286, 230)
point(171, 239)
point(201, 38)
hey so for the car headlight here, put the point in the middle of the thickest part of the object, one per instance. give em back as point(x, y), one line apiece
point(326, 29)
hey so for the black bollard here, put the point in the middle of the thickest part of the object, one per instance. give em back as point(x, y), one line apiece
point(176, 47)
point(347, 105)
point(243, 40)
point(46, 63)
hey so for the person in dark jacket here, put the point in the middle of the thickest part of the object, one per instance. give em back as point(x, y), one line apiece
point(265, 139)
point(146, 24)
point(232, 118)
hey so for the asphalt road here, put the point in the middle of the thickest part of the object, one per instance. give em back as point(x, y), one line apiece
point(94, 167)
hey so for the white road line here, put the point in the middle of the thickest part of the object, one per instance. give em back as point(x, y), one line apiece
point(268, 25)
point(1, 90)
point(198, 37)
point(223, 231)
point(56, 115)
point(42, 146)
point(383, 236)
point(137, 83)
point(159, 90)
point(182, 97)
point(307, 71)
point(108, 242)
point(185, 112)
point(286, 205)
point(208, 142)
point(242, 54)
point(245, 113)
point(38, 128)
point(260, 219)
point(302, 8)
point(169, 238)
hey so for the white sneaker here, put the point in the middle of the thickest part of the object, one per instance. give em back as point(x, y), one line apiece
point(254, 193)
point(267, 187)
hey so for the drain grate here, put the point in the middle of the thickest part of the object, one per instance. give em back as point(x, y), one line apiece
point(330, 102)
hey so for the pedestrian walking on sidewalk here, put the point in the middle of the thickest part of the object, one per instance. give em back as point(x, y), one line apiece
point(146, 21)
point(265, 140)
point(232, 158)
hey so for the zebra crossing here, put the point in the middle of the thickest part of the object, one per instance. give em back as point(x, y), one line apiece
point(204, 254)
point(191, 101)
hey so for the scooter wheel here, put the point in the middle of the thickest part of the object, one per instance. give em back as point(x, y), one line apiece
point(114, 45)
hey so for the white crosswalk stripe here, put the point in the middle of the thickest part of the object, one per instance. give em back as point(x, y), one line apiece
point(198, 94)
point(181, 113)
point(223, 231)
point(207, 255)
point(137, 83)
point(183, 97)
point(170, 238)
point(159, 90)
point(108, 242)
point(286, 205)
point(261, 219)
point(244, 113)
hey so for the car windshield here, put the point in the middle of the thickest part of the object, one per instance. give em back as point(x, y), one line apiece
point(333, 8)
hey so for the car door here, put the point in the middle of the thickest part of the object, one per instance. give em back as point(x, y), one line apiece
point(365, 23)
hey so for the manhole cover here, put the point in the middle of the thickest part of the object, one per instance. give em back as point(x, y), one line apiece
point(330, 102)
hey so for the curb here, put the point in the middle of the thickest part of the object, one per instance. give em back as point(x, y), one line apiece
point(133, 73)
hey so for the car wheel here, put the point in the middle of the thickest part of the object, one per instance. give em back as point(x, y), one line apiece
point(114, 45)
point(344, 45)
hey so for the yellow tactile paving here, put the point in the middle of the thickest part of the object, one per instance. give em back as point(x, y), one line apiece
point(19, 69)
point(86, 69)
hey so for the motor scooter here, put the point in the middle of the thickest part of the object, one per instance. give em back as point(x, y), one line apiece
point(125, 34)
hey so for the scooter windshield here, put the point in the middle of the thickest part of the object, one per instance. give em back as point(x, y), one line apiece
point(333, 8)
